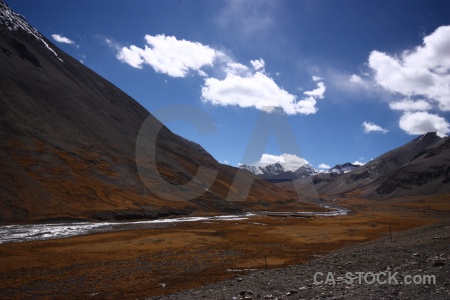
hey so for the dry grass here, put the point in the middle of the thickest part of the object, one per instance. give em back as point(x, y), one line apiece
point(133, 263)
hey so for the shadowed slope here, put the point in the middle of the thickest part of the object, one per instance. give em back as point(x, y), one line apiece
point(421, 166)
point(68, 143)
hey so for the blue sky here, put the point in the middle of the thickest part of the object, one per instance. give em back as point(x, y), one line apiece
point(354, 79)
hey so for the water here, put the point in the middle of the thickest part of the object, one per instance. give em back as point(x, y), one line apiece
point(36, 232)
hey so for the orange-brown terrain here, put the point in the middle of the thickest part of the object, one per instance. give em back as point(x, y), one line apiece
point(69, 152)
point(134, 264)
point(69, 145)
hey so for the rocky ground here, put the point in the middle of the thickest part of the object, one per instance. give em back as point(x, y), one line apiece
point(415, 255)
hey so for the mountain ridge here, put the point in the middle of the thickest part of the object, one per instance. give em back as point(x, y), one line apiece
point(277, 171)
point(69, 140)
point(380, 178)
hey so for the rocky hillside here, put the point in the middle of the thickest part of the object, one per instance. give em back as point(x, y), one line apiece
point(421, 166)
point(69, 142)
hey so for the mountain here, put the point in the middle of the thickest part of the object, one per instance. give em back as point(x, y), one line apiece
point(277, 172)
point(342, 168)
point(421, 166)
point(253, 169)
point(69, 142)
point(305, 171)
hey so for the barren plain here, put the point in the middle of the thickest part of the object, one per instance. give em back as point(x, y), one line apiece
point(142, 263)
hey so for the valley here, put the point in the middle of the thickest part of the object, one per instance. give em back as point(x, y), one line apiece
point(100, 200)
point(135, 263)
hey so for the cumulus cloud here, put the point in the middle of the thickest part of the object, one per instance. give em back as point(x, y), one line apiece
point(290, 162)
point(235, 68)
point(319, 92)
point(324, 166)
point(62, 39)
point(421, 122)
point(317, 78)
point(234, 84)
point(423, 71)
point(410, 105)
point(258, 64)
point(422, 75)
point(260, 91)
point(369, 127)
point(358, 163)
point(168, 55)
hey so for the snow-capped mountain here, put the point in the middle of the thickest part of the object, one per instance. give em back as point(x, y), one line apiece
point(17, 22)
point(271, 170)
point(253, 169)
point(278, 171)
point(305, 171)
point(342, 168)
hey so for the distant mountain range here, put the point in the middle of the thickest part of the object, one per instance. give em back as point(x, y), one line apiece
point(419, 167)
point(277, 172)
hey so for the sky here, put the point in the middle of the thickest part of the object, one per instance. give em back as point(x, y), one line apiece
point(322, 82)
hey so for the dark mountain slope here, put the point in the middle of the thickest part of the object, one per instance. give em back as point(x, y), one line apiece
point(68, 143)
point(427, 173)
point(424, 162)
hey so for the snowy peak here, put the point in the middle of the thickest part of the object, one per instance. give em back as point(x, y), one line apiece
point(273, 169)
point(278, 171)
point(253, 169)
point(305, 171)
point(428, 138)
point(269, 170)
point(15, 22)
point(342, 168)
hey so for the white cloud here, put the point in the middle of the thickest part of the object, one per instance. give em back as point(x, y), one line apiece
point(131, 56)
point(258, 64)
point(324, 166)
point(290, 162)
point(168, 55)
point(319, 92)
point(267, 159)
point(421, 122)
point(356, 79)
point(358, 163)
point(423, 71)
point(202, 73)
point(410, 105)
point(317, 78)
point(372, 127)
point(235, 68)
point(240, 85)
point(260, 91)
point(62, 39)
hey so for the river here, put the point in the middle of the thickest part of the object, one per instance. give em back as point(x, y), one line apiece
point(36, 232)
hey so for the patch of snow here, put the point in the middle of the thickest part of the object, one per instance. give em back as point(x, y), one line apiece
point(16, 22)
